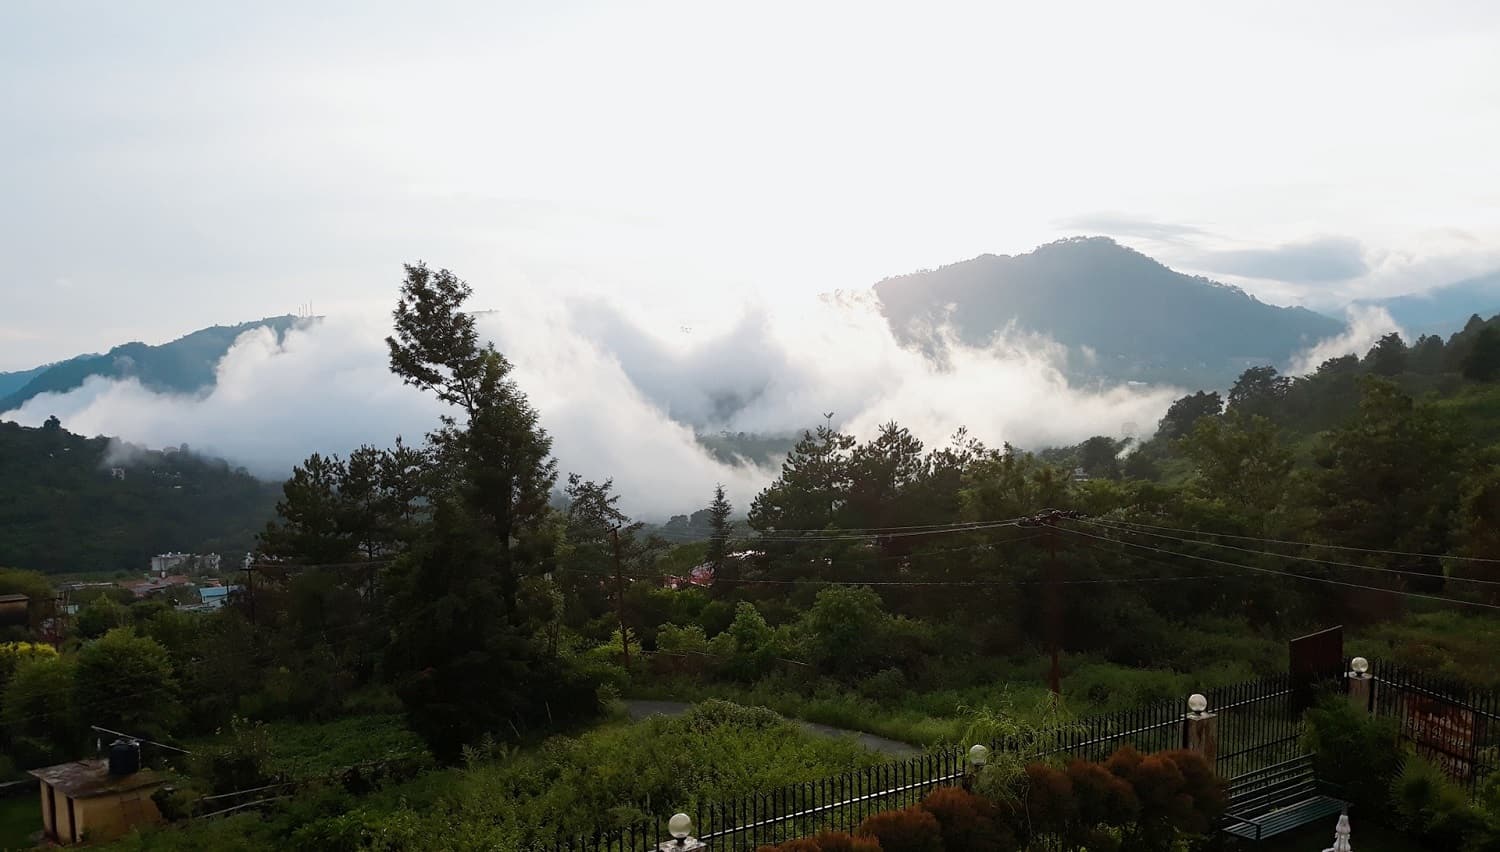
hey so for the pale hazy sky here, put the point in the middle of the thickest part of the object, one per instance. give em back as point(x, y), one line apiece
point(166, 166)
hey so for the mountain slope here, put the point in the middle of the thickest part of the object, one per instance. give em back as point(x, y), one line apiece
point(1141, 320)
point(1442, 310)
point(63, 509)
point(185, 365)
point(12, 382)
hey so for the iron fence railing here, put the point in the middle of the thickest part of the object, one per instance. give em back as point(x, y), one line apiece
point(1452, 724)
point(1259, 724)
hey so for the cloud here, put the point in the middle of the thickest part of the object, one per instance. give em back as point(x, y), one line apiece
point(1365, 324)
point(1317, 261)
point(1122, 225)
point(622, 394)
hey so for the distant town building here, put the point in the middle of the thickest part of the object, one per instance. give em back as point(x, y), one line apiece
point(168, 563)
point(701, 576)
point(213, 597)
point(15, 610)
point(1080, 475)
point(152, 585)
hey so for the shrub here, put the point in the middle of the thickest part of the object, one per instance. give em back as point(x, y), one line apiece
point(907, 830)
point(1177, 792)
point(967, 821)
point(1353, 749)
point(1433, 809)
point(1100, 797)
point(841, 842)
point(801, 844)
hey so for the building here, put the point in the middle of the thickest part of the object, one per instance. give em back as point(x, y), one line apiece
point(15, 610)
point(152, 585)
point(214, 597)
point(97, 799)
point(168, 563)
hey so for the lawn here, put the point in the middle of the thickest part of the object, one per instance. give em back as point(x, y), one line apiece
point(20, 817)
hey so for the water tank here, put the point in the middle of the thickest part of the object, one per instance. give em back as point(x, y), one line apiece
point(124, 757)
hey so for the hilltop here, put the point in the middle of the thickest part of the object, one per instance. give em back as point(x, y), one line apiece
point(1122, 315)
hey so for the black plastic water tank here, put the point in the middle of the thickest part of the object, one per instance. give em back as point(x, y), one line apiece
point(124, 757)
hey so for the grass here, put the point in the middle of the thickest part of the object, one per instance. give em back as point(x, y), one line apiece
point(20, 817)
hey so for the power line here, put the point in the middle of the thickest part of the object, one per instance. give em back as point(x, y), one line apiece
point(1313, 559)
point(1407, 553)
point(1272, 571)
point(139, 739)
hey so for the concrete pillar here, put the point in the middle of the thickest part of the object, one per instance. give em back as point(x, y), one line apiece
point(1202, 735)
point(686, 844)
point(1361, 687)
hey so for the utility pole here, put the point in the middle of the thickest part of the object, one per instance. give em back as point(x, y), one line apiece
point(614, 535)
point(1053, 593)
point(1054, 611)
point(249, 570)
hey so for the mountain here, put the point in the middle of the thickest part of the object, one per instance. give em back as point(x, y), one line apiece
point(1442, 310)
point(75, 504)
point(185, 365)
point(1122, 315)
point(12, 382)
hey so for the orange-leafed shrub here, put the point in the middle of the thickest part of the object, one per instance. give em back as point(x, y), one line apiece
point(907, 830)
point(1048, 800)
point(841, 842)
point(1176, 791)
point(1100, 797)
point(801, 844)
point(968, 821)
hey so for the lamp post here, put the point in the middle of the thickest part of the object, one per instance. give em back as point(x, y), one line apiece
point(1201, 728)
point(979, 755)
point(1360, 684)
point(680, 826)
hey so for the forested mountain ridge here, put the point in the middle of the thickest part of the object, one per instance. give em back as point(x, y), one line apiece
point(1141, 320)
point(64, 508)
point(184, 365)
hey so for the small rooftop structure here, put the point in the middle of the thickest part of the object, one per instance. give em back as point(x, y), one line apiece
point(15, 609)
point(143, 588)
point(83, 799)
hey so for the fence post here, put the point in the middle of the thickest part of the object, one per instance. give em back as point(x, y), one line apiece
point(1200, 729)
point(680, 826)
point(1361, 685)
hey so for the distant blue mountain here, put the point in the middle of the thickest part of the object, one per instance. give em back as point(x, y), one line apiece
point(12, 382)
point(184, 365)
point(1444, 310)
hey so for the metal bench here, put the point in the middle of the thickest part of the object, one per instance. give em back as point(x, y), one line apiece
point(1279, 798)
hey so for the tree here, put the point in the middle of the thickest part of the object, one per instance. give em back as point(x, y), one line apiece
point(125, 682)
point(1258, 390)
point(1099, 456)
point(848, 628)
point(464, 659)
point(1427, 355)
point(38, 714)
point(498, 460)
point(1388, 356)
point(100, 616)
point(1186, 411)
point(717, 554)
point(812, 487)
point(310, 510)
point(1240, 461)
point(1482, 364)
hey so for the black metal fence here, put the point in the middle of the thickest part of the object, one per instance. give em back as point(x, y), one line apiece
point(1455, 726)
point(1259, 724)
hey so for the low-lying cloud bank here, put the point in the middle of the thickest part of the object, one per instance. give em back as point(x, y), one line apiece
point(621, 396)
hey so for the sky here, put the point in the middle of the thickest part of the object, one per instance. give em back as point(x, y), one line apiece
point(172, 165)
point(672, 204)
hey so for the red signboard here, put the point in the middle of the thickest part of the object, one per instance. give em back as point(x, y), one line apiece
point(1442, 732)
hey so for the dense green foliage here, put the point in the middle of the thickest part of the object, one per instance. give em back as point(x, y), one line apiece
point(62, 510)
point(504, 798)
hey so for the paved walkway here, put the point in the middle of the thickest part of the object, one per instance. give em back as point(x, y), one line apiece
point(640, 709)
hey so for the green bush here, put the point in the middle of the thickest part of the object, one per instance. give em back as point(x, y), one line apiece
point(1432, 809)
point(1356, 750)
